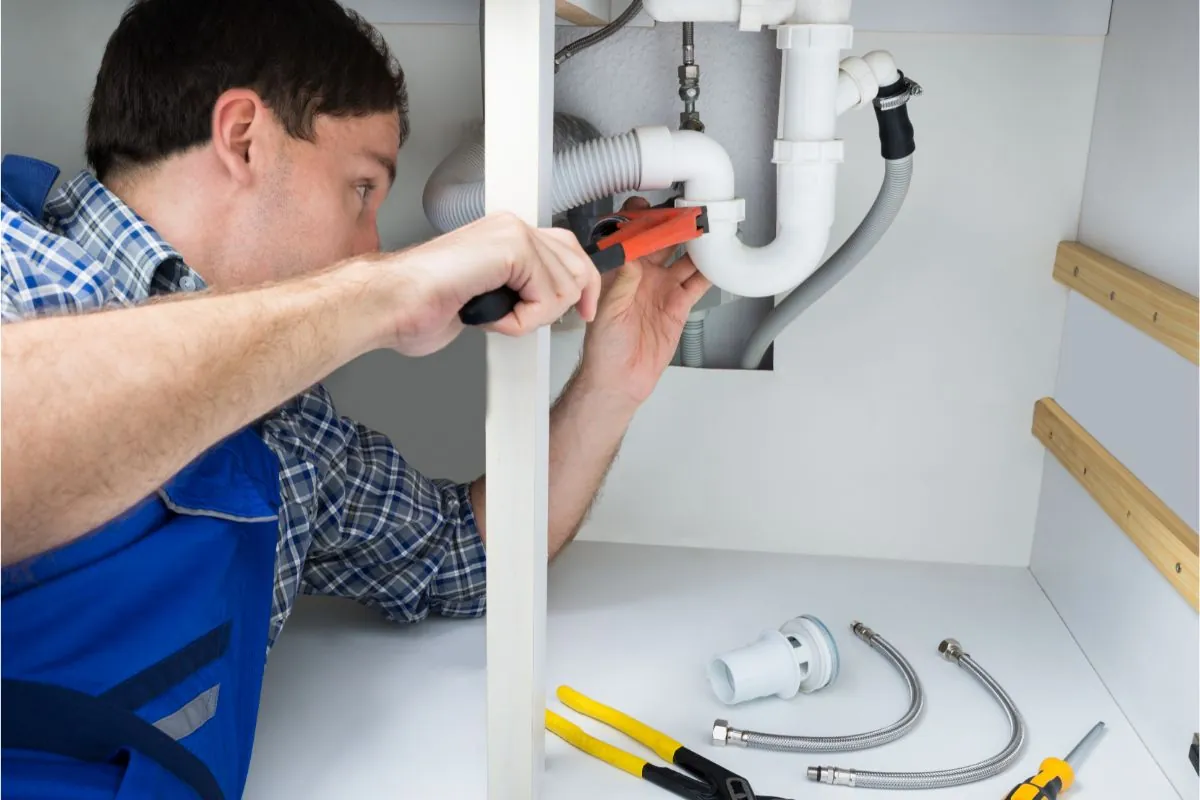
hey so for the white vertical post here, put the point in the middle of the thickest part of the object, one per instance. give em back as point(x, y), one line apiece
point(518, 108)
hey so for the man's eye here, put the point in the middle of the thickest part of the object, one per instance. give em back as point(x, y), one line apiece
point(364, 191)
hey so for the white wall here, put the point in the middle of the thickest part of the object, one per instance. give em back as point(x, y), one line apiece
point(1136, 396)
point(1140, 205)
point(896, 422)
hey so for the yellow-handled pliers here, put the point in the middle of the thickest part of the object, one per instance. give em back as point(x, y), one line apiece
point(711, 781)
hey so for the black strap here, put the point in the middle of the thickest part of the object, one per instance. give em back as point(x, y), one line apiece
point(54, 719)
point(134, 692)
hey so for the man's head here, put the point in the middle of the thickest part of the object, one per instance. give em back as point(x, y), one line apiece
point(259, 136)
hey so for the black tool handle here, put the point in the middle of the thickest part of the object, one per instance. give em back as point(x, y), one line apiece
point(490, 306)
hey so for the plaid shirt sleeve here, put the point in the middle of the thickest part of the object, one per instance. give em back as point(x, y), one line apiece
point(375, 530)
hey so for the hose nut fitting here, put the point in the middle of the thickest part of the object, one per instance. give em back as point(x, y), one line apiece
point(862, 631)
point(951, 650)
point(723, 734)
point(835, 776)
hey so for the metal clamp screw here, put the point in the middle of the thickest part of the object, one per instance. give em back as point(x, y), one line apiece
point(911, 89)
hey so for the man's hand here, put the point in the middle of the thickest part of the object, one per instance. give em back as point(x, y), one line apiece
point(637, 327)
point(430, 283)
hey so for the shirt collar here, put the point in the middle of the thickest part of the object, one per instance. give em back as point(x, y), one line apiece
point(89, 214)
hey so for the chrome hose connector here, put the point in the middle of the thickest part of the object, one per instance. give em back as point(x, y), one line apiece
point(951, 650)
point(723, 735)
point(862, 631)
point(835, 776)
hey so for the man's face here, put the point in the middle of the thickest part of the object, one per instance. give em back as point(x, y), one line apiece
point(317, 201)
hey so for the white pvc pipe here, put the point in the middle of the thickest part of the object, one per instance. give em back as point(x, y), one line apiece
point(698, 10)
point(806, 157)
point(749, 15)
point(815, 88)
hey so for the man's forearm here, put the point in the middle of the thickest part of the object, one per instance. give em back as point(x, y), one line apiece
point(587, 424)
point(100, 409)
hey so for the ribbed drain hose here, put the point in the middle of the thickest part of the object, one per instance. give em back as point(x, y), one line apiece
point(941, 779)
point(691, 342)
point(857, 741)
point(582, 174)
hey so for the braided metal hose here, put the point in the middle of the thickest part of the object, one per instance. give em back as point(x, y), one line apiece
point(723, 734)
point(584, 42)
point(941, 779)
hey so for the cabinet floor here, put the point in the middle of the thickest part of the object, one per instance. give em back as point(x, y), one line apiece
point(356, 707)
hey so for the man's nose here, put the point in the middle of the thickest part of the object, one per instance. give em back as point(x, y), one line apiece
point(368, 241)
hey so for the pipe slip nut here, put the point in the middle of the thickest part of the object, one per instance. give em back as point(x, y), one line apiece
point(830, 151)
point(816, 36)
point(730, 211)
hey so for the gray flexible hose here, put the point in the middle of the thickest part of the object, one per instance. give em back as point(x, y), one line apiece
point(584, 42)
point(691, 342)
point(857, 741)
point(454, 193)
point(944, 778)
point(896, 177)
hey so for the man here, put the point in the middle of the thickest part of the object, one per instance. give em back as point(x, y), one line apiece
point(174, 473)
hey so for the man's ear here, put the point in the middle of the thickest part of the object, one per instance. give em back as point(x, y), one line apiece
point(239, 118)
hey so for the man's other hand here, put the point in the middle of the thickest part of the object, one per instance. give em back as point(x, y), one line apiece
point(427, 285)
point(642, 311)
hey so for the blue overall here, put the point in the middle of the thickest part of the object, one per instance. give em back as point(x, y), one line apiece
point(133, 657)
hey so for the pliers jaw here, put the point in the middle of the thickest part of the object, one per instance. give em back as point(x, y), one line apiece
point(719, 783)
point(629, 235)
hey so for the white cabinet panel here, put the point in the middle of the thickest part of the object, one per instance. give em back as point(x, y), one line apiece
point(519, 95)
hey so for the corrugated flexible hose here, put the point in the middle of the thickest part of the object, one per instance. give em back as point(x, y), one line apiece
point(944, 778)
point(857, 741)
point(583, 173)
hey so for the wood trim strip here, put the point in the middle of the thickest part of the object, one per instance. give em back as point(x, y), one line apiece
point(1170, 544)
point(1170, 315)
point(576, 13)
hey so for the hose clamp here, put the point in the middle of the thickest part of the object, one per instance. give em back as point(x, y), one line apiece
point(911, 89)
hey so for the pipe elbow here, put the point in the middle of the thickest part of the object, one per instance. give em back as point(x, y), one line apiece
point(859, 79)
point(727, 261)
point(697, 161)
point(807, 179)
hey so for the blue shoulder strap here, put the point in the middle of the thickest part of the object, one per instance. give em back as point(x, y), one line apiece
point(25, 183)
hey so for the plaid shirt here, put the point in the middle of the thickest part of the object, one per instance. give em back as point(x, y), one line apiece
point(357, 521)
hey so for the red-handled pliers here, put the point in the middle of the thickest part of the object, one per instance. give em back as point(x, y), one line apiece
point(616, 240)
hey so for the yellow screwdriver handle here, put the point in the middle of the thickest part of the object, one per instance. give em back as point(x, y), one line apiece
point(1054, 777)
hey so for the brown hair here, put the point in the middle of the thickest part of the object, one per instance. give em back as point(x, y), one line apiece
point(169, 60)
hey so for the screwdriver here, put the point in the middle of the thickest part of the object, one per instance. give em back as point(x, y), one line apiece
point(1054, 775)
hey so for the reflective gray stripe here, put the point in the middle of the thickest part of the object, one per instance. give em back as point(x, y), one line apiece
point(204, 512)
point(194, 713)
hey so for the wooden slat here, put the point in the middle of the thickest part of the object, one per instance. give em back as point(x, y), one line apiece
point(1170, 315)
point(577, 11)
point(1170, 544)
